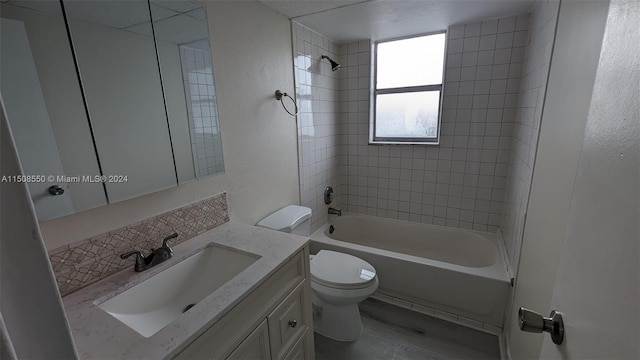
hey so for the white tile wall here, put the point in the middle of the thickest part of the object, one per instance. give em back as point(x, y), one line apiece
point(319, 124)
point(461, 182)
point(206, 142)
point(535, 69)
point(478, 177)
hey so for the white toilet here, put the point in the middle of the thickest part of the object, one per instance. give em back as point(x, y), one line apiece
point(338, 281)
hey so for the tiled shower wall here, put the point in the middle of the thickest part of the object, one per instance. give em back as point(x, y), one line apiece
point(535, 72)
point(461, 182)
point(206, 142)
point(318, 130)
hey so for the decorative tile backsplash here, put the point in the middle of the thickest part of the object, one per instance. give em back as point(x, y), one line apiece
point(87, 261)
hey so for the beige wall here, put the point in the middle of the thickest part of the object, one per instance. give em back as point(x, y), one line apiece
point(30, 304)
point(598, 278)
point(571, 78)
point(251, 47)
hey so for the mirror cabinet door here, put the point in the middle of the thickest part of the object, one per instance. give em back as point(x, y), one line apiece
point(116, 53)
point(184, 53)
point(43, 101)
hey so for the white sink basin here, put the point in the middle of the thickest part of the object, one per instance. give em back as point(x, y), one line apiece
point(157, 301)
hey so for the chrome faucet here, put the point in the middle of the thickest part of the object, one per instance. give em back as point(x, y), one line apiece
point(156, 257)
point(333, 211)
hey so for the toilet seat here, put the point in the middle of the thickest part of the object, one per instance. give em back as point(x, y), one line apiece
point(341, 271)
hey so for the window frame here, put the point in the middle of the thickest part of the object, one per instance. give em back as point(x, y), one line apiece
point(376, 140)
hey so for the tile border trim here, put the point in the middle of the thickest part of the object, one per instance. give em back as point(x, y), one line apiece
point(460, 320)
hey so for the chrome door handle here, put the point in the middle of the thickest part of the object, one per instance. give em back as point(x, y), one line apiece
point(531, 321)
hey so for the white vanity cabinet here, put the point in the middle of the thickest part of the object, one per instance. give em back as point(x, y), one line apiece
point(273, 322)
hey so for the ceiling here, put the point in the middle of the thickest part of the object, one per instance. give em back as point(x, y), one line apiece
point(351, 20)
point(176, 21)
point(295, 8)
point(340, 20)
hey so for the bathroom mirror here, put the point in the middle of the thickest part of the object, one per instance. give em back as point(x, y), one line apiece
point(140, 111)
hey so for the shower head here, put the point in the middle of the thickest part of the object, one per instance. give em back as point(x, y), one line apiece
point(334, 65)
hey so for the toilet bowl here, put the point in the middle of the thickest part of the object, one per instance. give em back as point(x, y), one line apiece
point(338, 281)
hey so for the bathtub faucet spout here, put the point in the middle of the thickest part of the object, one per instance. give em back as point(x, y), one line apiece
point(333, 211)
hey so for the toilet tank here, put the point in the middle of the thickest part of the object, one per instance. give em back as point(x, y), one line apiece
point(292, 219)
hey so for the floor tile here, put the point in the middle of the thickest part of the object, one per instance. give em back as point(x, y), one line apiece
point(391, 332)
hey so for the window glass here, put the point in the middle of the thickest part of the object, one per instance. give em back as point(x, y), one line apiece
point(411, 115)
point(411, 62)
point(408, 90)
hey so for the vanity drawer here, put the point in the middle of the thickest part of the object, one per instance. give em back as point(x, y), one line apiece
point(287, 323)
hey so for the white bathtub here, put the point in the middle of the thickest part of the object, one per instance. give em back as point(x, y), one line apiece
point(459, 272)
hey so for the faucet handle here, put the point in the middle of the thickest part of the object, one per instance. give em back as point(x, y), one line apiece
point(141, 259)
point(165, 242)
point(138, 253)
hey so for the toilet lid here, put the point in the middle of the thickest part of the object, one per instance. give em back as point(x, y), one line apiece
point(342, 271)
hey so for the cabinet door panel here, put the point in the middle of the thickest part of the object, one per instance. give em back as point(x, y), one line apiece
point(300, 349)
point(287, 323)
point(255, 346)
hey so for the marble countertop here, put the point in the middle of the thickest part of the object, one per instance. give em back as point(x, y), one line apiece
point(98, 335)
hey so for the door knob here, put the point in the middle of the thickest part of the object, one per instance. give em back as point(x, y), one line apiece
point(56, 190)
point(531, 321)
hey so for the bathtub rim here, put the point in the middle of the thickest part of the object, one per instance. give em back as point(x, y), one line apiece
point(497, 271)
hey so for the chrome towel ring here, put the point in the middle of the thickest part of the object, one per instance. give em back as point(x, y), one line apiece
point(280, 95)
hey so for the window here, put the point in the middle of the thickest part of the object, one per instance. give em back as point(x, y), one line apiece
point(408, 90)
